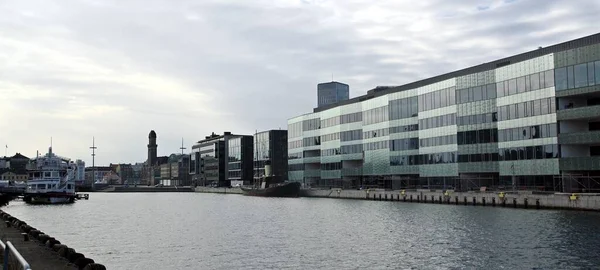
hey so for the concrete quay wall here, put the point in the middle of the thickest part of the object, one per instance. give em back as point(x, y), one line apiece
point(219, 190)
point(149, 189)
point(524, 199)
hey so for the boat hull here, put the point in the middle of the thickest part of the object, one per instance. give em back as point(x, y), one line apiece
point(49, 198)
point(291, 189)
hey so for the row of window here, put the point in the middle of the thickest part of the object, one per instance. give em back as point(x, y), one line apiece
point(330, 137)
point(351, 135)
point(424, 159)
point(295, 144)
point(295, 130)
point(295, 155)
point(376, 145)
point(330, 152)
point(437, 121)
point(376, 133)
point(477, 136)
point(527, 109)
point(311, 141)
point(526, 133)
point(376, 115)
point(406, 128)
point(295, 167)
point(581, 75)
point(527, 83)
point(311, 124)
point(529, 152)
point(477, 119)
point(403, 108)
point(476, 93)
point(404, 144)
point(351, 149)
point(436, 141)
point(334, 166)
point(483, 157)
point(437, 99)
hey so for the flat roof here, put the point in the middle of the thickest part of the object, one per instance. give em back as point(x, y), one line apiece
point(380, 91)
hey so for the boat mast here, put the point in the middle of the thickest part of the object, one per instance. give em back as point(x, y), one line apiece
point(255, 167)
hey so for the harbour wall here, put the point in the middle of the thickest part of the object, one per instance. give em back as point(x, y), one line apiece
point(148, 189)
point(521, 199)
point(236, 190)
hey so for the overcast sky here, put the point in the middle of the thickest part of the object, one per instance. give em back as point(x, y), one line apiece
point(115, 70)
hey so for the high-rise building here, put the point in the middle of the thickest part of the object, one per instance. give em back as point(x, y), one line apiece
point(529, 121)
point(332, 93)
point(152, 148)
point(271, 146)
point(222, 160)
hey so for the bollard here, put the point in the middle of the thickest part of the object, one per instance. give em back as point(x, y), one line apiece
point(440, 198)
point(418, 198)
point(483, 201)
point(403, 198)
point(493, 201)
point(525, 203)
point(515, 202)
point(474, 201)
point(503, 202)
point(380, 196)
point(456, 199)
point(537, 203)
point(386, 196)
point(25, 237)
point(410, 198)
point(465, 199)
point(425, 198)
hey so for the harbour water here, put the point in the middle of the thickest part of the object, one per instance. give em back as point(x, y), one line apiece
point(214, 231)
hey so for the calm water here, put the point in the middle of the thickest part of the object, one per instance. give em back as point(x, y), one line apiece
point(213, 231)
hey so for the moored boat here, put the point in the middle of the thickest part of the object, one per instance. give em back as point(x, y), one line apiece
point(268, 187)
point(52, 180)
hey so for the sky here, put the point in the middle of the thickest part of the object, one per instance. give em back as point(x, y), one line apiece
point(115, 69)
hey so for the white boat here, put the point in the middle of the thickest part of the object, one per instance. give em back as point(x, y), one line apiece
point(52, 180)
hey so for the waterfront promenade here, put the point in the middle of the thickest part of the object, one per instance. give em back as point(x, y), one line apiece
point(517, 199)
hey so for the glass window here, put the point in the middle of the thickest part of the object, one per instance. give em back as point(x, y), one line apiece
point(528, 83)
point(535, 132)
point(545, 106)
point(512, 87)
point(491, 91)
point(520, 110)
point(535, 81)
point(529, 152)
point(597, 71)
point(581, 75)
point(477, 94)
point(570, 77)
point(549, 150)
point(549, 78)
point(539, 152)
point(500, 89)
point(514, 154)
point(537, 106)
point(520, 84)
point(552, 131)
point(590, 68)
point(555, 152)
point(561, 78)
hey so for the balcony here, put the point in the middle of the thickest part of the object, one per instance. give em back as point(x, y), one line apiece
point(311, 160)
point(582, 91)
point(588, 137)
point(581, 113)
point(312, 173)
point(580, 163)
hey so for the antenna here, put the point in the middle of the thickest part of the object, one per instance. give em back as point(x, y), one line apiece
point(50, 141)
point(93, 147)
point(332, 76)
point(182, 148)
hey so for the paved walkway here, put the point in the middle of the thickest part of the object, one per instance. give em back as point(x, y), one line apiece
point(37, 255)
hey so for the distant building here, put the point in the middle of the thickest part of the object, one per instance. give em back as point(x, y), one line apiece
point(150, 172)
point(152, 148)
point(221, 159)
point(17, 163)
point(11, 175)
point(332, 93)
point(96, 174)
point(271, 146)
point(80, 174)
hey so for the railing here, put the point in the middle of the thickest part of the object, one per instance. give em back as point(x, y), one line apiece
point(8, 249)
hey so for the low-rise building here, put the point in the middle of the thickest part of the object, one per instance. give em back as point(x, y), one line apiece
point(271, 146)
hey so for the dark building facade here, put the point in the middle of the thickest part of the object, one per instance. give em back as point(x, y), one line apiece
point(271, 146)
point(529, 121)
point(211, 163)
point(152, 149)
point(331, 93)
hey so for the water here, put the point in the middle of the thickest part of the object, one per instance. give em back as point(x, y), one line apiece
point(214, 231)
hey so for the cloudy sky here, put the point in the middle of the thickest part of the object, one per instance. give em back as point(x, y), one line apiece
point(115, 69)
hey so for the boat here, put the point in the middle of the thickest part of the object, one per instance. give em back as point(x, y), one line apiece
point(52, 180)
point(268, 186)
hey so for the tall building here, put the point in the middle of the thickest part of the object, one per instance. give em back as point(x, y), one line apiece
point(222, 160)
point(529, 121)
point(271, 146)
point(332, 93)
point(80, 174)
point(152, 148)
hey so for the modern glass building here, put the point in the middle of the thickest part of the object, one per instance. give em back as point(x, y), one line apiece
point(529, 121)
point(222, 160)
point(332, 92)
point(271, 146)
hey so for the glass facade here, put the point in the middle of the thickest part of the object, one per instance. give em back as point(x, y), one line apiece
point(486, 124)
point(331, 93)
